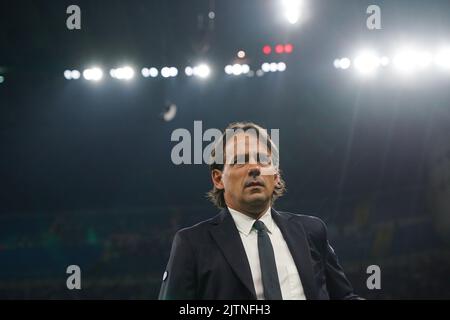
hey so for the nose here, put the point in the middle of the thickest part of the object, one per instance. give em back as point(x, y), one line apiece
point(254, 171)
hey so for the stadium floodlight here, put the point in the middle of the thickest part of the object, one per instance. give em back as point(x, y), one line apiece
point(245, 68)
point(237, 69)
point(281, 66)
point(68, 74)
point(75, 74)
point(145, 72)
point(366, 62)
point(202, 71)
point(188, 71)
point(165, 72)
point(292, 10)
point(405, 61)
point(153, 72)
point(123, 73)
point(442, 58)
point(273, 67)
point(93, 74)
point(265, 67)
point(229, 69)
point(173, 72)
point(424, 59)
point(384, 61)
point(344, 63)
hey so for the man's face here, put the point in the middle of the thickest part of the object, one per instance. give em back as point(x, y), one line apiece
point(248, 177)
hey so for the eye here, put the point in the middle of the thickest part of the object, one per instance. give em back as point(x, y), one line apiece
point(239, 160)
point(263, 159)
point(242, 160)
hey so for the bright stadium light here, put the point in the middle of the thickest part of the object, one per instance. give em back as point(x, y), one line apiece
point(75, 74)
point(126, 73)
point(165, 72)
point(265, 67)
point(424, 59)
point(442, 58)
point(344, 63)
point(145, 72)
point(292, 16)
point(68, 74)
point(366, 63)
point(281, 66)
point(188, 71)
point(405, 61)
point(173, 72)
point(337, 63)
point(241, 54)
point(273, 67)
point(228, 69)
point(237, 69)
point(292, 10)
point(153, 72)
point(384, 61)
point(93, 74)
point(202, 71)
point(97, 74)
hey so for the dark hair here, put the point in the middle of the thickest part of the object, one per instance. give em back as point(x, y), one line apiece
point(216, 196)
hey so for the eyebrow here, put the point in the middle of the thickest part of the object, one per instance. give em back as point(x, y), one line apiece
point(246, 155)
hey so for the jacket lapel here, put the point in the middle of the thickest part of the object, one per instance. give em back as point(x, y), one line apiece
point(297, 241)
point(227, 236)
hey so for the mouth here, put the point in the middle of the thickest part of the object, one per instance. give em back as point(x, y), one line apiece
point(254, 184)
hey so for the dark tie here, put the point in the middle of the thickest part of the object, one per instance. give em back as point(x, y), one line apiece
point(269, 274)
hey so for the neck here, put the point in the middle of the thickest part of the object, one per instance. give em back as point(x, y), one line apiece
point(252, 212)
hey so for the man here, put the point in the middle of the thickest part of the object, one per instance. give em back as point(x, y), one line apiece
point(250, 250)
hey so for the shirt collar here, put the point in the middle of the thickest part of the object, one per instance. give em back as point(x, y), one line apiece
point(245, 223)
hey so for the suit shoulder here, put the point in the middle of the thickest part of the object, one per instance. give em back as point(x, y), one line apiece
point(311, 223)
point(197, 229)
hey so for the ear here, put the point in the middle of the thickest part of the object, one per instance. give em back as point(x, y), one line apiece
point(216, 176)
point(277, 178)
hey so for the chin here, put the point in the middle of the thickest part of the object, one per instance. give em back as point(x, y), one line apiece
point(257, 199)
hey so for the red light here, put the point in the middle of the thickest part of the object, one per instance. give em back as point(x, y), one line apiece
point(279, 48)
point(288, 48)
point(267, 49)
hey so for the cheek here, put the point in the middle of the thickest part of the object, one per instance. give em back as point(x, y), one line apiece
point(271, 182)
point(227, 179)
point(233, 177)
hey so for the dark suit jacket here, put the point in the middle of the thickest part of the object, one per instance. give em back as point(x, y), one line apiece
point(208, 260)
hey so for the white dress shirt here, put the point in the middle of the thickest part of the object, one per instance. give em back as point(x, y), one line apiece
point(290, 283)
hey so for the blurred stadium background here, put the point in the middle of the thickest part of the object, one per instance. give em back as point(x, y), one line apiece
point(85, 169)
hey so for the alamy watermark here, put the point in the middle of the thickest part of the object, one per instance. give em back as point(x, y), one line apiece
point(248, 146)
point(373, 22)
point(374, 280)
point(74, 280)
point(73, 22)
